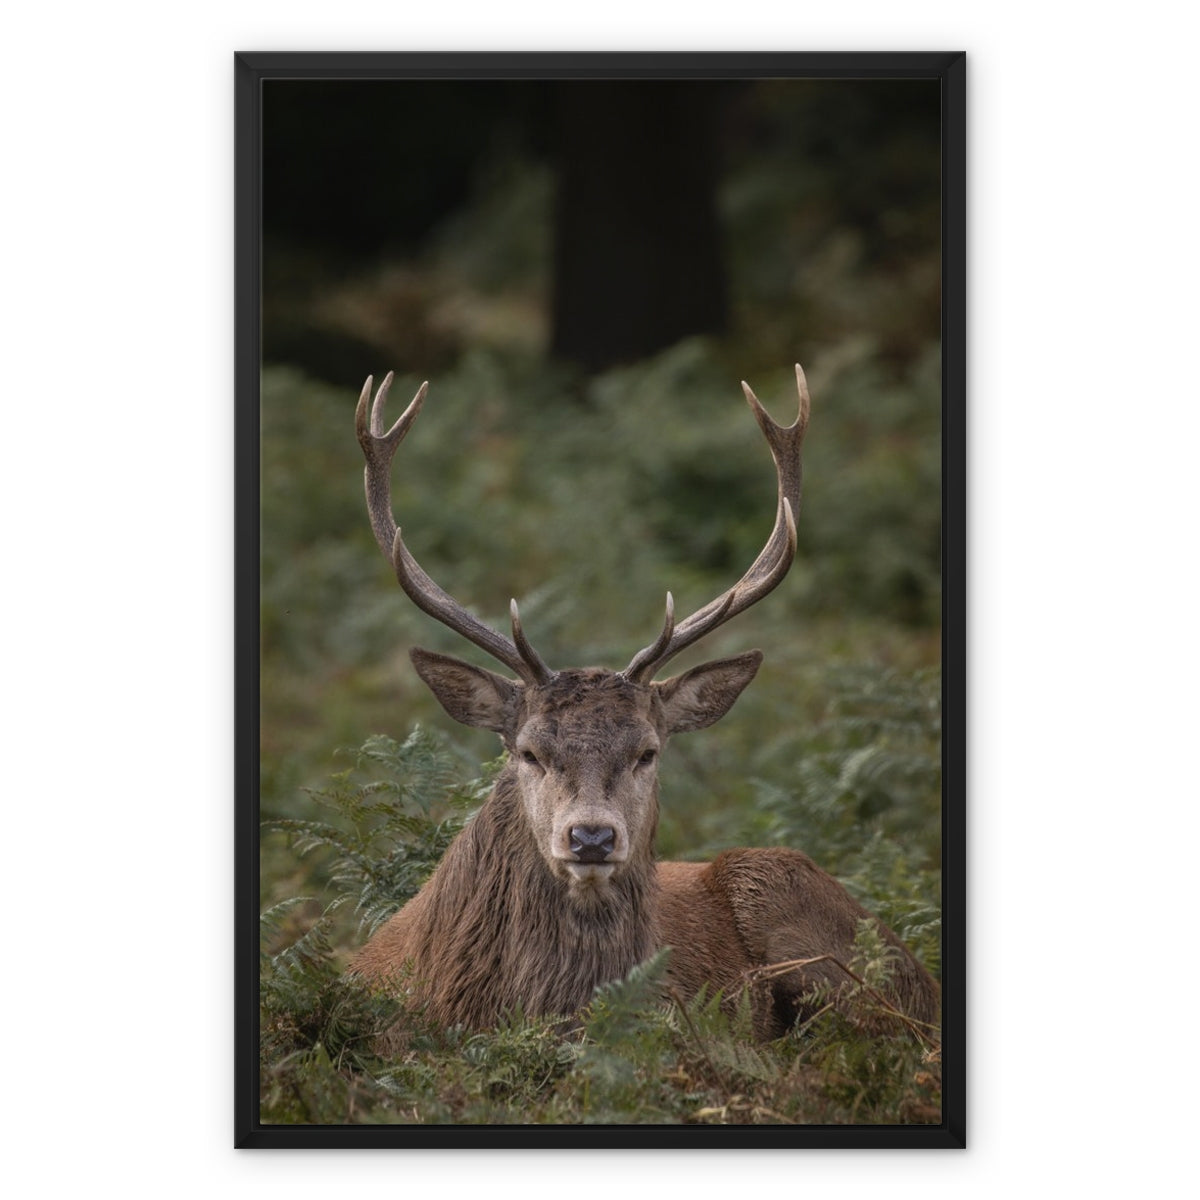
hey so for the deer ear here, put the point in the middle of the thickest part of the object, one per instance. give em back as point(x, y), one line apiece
point(469, 694)
point(700, 697)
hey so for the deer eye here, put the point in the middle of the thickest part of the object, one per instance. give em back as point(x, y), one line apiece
point(647, 757)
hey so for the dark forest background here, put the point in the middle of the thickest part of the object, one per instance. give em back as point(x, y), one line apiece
point(635, 213)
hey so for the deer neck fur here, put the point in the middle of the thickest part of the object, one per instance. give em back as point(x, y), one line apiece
point(501, 932)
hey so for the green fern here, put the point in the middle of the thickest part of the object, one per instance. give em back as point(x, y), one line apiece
point(864, 798)
point(392, 827)
point(393, 814)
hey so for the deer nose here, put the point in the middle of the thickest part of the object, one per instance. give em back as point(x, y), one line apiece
point(592, 843)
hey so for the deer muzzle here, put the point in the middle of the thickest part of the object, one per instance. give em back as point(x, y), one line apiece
point(592, 843)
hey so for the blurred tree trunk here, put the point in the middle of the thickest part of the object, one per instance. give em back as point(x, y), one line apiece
point(637, 254)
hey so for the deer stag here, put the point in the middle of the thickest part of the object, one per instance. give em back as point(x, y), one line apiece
point(553, 888)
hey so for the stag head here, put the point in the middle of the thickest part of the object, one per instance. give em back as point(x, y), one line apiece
point(584, 749)
point(584, 744)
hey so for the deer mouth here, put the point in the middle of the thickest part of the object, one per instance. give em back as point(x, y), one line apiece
point(588, 879)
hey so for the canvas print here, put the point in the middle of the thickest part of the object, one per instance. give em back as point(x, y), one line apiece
point(601, 584)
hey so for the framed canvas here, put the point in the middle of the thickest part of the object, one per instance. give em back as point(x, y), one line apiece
point(568, 264)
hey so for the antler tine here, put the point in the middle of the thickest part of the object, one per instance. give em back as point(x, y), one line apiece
point(541, 672)
point(379, 449)
point(773, 561)
point(651, 652)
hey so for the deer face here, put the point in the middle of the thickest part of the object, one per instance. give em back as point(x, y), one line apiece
point(584, 750)
point(586, 757)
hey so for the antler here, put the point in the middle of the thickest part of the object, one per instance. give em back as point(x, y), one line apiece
point(379, 449)
point(767, 570)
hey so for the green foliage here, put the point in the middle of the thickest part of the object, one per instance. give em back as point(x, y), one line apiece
point(861, 791)
point(392, 815)
point(315, 1033)
point(387, 831)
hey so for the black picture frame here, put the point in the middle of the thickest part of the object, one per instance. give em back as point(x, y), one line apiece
point(251, 71)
